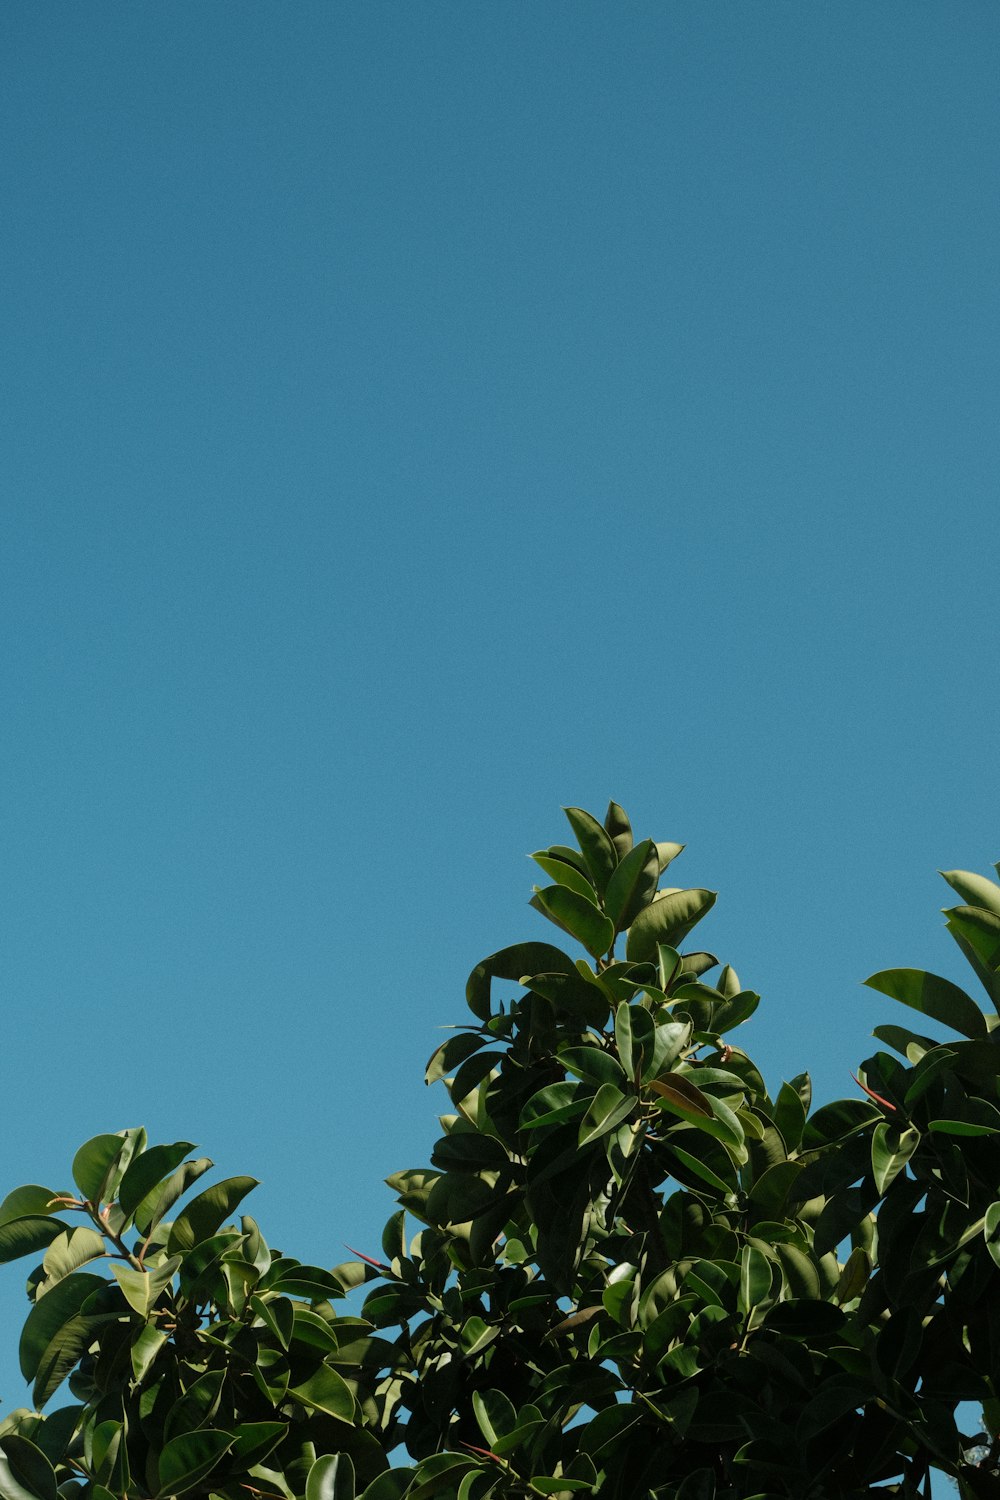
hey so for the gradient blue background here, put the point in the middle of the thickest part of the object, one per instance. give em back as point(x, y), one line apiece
point(418, 416)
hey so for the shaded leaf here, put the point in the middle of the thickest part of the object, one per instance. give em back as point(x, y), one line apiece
point(512, 963)
point(607, 1110)
point(892, 1148)
point(49, 1314)
point(326, 1391)
point(932, 996)
point(565, 874)
point(331, 1478)
point(146, 1170)
point(632, 885)
point(618, 828)
point(186, 1460)
point(668, 920)
point(207, 1212)
point(26, 1236)
point(595, 843)
point(157, 1204)
point(93, 1162)
point(577, 916)
point(30, 1200)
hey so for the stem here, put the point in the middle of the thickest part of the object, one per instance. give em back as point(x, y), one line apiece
point(116, 1239)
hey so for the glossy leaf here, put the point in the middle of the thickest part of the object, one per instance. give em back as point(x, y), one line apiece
point(607, 1110)
point(512, 963)
point(975, 890)
point(632, 885)
point(11, 1487)
point(29, 1466)
point(328, 1392)
point(142, 1289)
point(93, 1162)
point(577, 916)
point(186, 1460)
point(669, 920)
point(71, 1250)
point(207, 1212)
point(331, 1478)
point(892, 1148)
point(618, 828)
point(562, 873)
point(28, 1201)
point(595, 844)
point(981, 930)
point(932, 996)
point(145, 1171)
point(26, 1236)
point(64, 1301)
point(683, 1097)
point(157, 1204)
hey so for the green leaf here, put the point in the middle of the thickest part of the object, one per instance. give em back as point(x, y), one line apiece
point(835, 1121)
point(157, 1204)
point(702, 1169)
point(556, 1103)
point(755, 1279)
point(634, 1037)
point(962, 1127)
point(145, 1349)
point(592, 1064)
point(48, 1315)
point(667, 853)
point(892, 1148)
point(185, 1460)
point(598, 850)
point(683, 1098)
point(789, 1116)
point(331, 1478)
point(991, 1224)
point(326, 1391)
point(93, 1162)
point(800, 1273)
point(513, 963)
point(70, 1250)
point(206, 1213)
point(975, 890)
point(608, 1109)
point(11, 1487)
point(618, 828)
point(633, 884)
point(453, 1051)
point(854, 1276)
point(72, 1340)
point(577, 916)
point(141, 1289)
point(565, 874)
point(494, 1413)
point(669, 920)
point(29, 1466)
point(932, 996)
point(145, 1171)
point(981, 930)
point(254, 1441)
point(28, 1201)
point(26, 1236)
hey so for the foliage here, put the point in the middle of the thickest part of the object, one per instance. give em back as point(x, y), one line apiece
point(633, 1273)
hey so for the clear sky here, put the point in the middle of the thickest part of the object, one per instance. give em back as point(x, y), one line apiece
point(418, 416)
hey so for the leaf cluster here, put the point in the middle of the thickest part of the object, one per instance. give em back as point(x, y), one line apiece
point(627, 1271)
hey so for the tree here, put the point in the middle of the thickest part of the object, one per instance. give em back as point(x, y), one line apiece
point(633, 1272)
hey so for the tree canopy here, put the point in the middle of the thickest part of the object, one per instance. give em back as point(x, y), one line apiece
point(627, 1270)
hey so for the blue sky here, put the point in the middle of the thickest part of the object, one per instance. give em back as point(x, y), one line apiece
point(421, 416)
